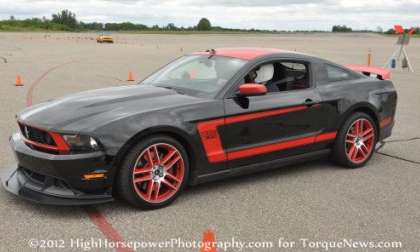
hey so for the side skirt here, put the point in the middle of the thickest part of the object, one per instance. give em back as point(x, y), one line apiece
point(259, 167)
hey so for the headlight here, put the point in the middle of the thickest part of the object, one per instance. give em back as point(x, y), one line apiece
point(81, 143)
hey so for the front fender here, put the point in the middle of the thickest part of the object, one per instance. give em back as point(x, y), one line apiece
point(115, 135)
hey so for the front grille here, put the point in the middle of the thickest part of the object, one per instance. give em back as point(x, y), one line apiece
point(36, 177)
point(44, 181)
point(36, 135)
point(38, 139)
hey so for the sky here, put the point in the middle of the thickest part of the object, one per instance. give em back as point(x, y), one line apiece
point(261, 14)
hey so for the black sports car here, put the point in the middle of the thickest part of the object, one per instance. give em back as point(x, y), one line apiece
point(205, 116)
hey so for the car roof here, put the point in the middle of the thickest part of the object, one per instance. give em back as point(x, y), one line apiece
point(245, 53)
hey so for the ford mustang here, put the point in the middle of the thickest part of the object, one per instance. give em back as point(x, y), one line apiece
point(205, 116)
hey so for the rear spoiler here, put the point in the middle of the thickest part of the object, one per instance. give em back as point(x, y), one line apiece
point(381, 73)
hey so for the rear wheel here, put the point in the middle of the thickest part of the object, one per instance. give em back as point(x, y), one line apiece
point(154, 172)
point(356, 141)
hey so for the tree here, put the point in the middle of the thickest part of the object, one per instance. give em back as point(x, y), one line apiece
point(204, 25)
point(171, 26)
point(65, 17)
point(390, 31)
point(341, 28)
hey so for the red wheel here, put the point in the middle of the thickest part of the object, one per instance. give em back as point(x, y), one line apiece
point(355, 141)
point(360, 140)
point(158, 173)
point(154, 172)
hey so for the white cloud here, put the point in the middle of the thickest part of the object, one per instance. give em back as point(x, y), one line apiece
point(265, 14)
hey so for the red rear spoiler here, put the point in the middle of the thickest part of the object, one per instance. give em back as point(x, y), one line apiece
point(381, 73)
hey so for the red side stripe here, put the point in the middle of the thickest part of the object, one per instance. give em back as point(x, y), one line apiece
point(213, 146)
point(325, 137)
point(280, 146)
point(211, 140)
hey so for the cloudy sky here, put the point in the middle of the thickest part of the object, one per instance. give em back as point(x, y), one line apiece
point(264, 14)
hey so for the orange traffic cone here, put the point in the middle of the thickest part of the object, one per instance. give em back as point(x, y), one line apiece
point(209, 242)
point(18, 81)
point(130, 76)
point(369, 61)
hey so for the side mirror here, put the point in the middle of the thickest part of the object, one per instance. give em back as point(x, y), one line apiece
point(252, 89)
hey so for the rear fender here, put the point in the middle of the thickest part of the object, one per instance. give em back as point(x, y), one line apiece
point(379, 72)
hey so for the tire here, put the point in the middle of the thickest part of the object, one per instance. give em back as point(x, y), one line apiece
point(355, 141)
point(151, 185)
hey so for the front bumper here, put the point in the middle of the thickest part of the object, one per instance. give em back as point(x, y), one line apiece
point(23, 184)
point(57, 179)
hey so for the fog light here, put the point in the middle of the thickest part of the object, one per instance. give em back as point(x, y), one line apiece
point(94, 176)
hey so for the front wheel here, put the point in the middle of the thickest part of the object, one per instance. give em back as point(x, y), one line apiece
point(154, 172)
point(356, 141)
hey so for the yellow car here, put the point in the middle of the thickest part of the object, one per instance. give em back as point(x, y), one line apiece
point(104, 39)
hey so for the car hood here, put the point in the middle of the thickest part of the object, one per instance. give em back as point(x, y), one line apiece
point(89, 110)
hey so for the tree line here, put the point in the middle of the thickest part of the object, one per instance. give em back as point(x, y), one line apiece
point(344, 28)
point(67, 21)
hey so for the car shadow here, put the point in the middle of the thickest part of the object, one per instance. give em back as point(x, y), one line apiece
point(190, 192)
point(260, 177)
point(268, 176)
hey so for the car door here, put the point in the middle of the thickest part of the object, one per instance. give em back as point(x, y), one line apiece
point(278, 124)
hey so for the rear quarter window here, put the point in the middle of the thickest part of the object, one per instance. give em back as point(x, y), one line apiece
point(327, 73)
point(337, 74)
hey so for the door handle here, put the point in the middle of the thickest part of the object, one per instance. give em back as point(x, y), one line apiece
point(309, 103)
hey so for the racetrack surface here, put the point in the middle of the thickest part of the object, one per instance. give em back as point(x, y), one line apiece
point(316, 200)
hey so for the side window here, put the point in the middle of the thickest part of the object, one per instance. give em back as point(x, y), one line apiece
point(337, 74)
point(280, 76)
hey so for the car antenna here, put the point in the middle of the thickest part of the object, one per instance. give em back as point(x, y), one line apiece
point(212, 52)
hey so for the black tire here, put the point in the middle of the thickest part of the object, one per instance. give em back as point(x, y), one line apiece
point(125, 185)
point(340, 147)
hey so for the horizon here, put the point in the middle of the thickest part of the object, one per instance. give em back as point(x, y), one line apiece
point(281, 15)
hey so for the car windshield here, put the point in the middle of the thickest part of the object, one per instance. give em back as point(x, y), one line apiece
point(197, 75)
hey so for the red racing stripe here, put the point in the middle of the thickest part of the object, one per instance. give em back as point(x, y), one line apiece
point(280, 146)
point(211, 140)
point(325, 137)
point(212, 143)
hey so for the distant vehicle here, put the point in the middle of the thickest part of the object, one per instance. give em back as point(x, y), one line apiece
point(205, 116)
point(104, 39)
